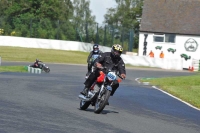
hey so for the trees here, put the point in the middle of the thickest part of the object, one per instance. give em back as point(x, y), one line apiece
point(35, 18)
point(69, 20)
point(124, 17)
point(53, 19)
point(83, 21)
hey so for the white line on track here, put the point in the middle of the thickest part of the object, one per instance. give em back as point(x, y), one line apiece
point(137, 80)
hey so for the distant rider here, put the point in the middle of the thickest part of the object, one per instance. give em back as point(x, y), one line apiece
point(36, 63)
point(91, 57)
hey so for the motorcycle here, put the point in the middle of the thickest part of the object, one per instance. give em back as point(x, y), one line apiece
point(41, 65)
point(91, 63)
point(99, 92)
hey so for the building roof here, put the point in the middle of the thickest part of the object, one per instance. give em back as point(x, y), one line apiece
point(171, 16)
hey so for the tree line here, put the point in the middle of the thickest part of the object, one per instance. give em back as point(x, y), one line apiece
point(70, 20)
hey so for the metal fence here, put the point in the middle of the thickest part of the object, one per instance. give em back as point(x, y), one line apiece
point(102, 34)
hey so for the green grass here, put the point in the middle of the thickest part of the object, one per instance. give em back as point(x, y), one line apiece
point(186, 88)
point(46, 55)
point(13, 69)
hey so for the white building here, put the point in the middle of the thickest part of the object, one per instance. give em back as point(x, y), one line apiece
point(171, 26)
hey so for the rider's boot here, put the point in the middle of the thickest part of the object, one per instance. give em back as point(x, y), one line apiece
point(84, 91)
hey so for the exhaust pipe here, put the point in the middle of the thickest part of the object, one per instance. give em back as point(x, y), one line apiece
point(81, 97)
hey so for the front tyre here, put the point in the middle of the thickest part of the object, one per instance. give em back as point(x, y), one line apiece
point(84, 105)
point(46, 69)
point(101, 103)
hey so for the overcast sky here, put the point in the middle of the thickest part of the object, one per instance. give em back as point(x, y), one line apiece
point(98, 8)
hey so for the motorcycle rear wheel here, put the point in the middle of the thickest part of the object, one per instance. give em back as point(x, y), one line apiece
point(101, 103)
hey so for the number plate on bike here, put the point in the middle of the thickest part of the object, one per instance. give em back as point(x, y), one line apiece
point(111, 76)
point(94, 57)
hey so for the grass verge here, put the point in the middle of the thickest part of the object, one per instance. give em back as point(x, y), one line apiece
point(46, 55)
point(12, 69)
point(186, 88)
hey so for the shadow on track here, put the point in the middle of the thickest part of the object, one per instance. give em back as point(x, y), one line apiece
point(103, 112)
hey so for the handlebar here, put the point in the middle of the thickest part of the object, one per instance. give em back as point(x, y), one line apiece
point(120, 77)
point(105, 68)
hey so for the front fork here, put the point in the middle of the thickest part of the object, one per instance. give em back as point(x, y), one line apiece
point(103, 89)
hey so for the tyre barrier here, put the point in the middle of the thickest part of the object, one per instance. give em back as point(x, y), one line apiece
point(34, 70)
point(195, 65)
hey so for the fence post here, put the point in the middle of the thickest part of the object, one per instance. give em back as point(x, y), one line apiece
point(112, 34)
point(86, 32)
point(122, 37)
point(97, 35)
point(31, 28)
point(79, 35)
point(104, 36)
point(58, 29)
point(131, 40)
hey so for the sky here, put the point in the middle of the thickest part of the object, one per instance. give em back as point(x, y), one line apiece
point(99, 8)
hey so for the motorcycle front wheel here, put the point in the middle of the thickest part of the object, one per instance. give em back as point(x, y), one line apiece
point(84, 105)
point(101, 103)
point(46, 69)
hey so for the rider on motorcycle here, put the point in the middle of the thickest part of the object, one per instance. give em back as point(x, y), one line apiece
point(93, 53)
point(111, 60)
point(36, 63)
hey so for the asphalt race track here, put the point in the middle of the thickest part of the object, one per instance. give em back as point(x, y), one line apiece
point(48, 103)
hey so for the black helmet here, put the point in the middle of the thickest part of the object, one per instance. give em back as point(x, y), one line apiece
point(95, 48)
point(116, 50)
